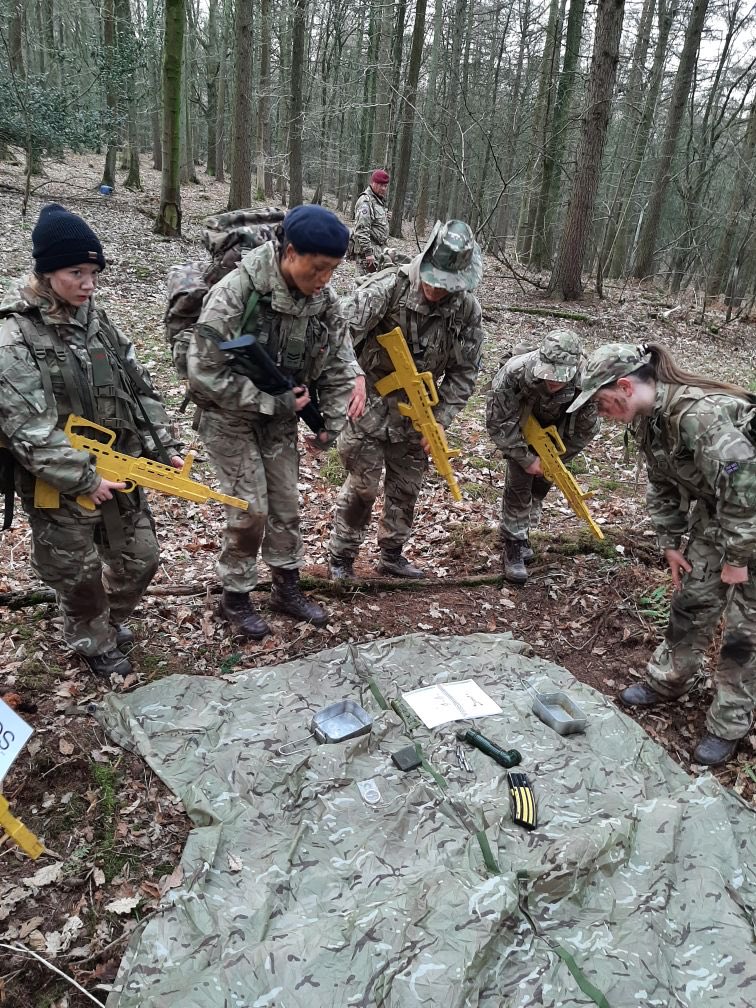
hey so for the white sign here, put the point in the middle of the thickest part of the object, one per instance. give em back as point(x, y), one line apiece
point(454, 701)
point(14, 733)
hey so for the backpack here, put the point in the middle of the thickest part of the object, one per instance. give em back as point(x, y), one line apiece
point(227, 237)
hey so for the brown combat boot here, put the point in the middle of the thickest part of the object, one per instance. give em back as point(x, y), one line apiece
point(286, 597)
point(238, 610)
point(513, 561)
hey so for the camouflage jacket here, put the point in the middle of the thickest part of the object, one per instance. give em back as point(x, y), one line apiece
point(700, 446)
point(516, 393)
point(444, 338)
point(49, 370)
point(291, 328)
point(371, 225)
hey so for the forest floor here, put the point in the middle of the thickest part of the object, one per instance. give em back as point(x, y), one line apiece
point(113, 831)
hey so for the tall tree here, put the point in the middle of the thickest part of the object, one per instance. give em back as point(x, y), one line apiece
point(240, 192)
point(555, 142)
point(296, 109)
point(567, 274)
point(646, 248)
point(264, 178)
point(168, 221)
point(408, 124)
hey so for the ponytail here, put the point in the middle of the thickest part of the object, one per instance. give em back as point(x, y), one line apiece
point(661, 367)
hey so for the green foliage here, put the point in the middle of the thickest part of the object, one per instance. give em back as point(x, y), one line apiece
point(332, 470)
point(38, 117)
point(654, 606)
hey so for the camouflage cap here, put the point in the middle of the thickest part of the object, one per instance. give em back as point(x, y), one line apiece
point(559, 356)
point(605, 365)
point(451, 259)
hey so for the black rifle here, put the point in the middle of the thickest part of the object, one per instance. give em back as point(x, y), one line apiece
point(252, 361)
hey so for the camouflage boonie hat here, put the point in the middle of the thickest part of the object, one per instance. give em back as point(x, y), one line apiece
point(451, 259)
point(559, 356)
point(605, 365)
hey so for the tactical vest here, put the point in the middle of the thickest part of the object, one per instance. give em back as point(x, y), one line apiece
point(108, 398)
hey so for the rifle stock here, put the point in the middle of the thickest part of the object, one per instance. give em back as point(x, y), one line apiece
point(119, 468)
point(548, 445)
point(421, 398)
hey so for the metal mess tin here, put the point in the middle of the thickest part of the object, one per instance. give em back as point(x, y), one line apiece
point(337, 722)
point(558, 711)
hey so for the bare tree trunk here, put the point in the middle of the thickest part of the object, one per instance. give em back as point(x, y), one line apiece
point(264, 177)
point(168, 221)
point(548, 197)
point(408, 126)
point(296, 111)
point(740, 201)
point(644, 253)
point(541, 116)
point(567, 275)
point(240, 192)
point(212, 67)
point(111, 97)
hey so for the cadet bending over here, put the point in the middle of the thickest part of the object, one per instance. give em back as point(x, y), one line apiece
point(60, 355)
point(431, 301)
point(698, 438)
point(543, 383)
point(250, 435)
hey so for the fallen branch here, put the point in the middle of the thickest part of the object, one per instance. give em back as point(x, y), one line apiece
point(552, 313)
point(44, 596)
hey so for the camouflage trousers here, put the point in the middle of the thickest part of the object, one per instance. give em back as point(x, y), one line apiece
point(695, 613)
point(522, 502)
point(259, 462)
point(96, 585)
point(364, 457)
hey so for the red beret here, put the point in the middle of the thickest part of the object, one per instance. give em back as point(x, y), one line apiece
point(380, 177)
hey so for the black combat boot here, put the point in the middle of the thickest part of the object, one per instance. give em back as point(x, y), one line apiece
point(392, 562)
point(340, 568)
point(124, 635)
point(527, 552)
point(106, 664)
point(286, 597)
point(513, 561)
point(641, 695)
point(238, 610)
point(713, 750)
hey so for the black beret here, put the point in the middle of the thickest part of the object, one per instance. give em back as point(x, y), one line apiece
point(61, 238)
point(312, 228)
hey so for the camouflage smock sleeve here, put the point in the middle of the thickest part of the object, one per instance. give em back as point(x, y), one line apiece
point(461, 372)
point(336, 380)
point(29, 422)
point(364, 308)
point(668, 508)
point(209, 374)
point(507, 401)
point(363, 224)
point(149, 398)
point(726, 459)
point(583, 429)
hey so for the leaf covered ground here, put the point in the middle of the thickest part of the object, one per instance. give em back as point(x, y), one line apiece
point(113, 833)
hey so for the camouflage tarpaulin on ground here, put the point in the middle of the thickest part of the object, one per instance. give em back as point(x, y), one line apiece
point(636, 888)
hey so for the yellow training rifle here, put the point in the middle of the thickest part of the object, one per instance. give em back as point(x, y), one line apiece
point(548, 446)
point(18, 833)
point(422, 397)
point(134, 472)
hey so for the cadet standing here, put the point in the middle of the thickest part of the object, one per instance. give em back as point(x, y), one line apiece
point(60, 355)
point(431, 301)
point(250, 435)
point(543, 383)
point(698, 438)
point(371, 223)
